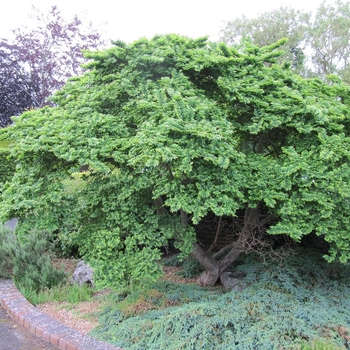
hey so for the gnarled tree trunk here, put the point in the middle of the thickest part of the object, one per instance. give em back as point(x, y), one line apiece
point(212, 267)
point(215, 267)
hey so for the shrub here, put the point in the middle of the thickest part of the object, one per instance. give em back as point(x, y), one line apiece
point(7, 167)
point(172, 260)
point(286, 306)
point(28, 262)
point(191, 268)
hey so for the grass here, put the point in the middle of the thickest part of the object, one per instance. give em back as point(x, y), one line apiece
point(72, 294)
point(320, 344)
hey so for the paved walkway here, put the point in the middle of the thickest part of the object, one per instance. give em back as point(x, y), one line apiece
point(40, 324)
point(15, 337)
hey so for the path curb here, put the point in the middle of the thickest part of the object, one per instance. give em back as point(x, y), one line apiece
point(44, 326)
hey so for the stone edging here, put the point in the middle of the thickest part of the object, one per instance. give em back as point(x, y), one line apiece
point(44, 326)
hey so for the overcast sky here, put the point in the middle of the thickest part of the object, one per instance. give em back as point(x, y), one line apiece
point(129, 20)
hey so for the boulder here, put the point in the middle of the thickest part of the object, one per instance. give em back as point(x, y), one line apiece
point(83, 274)
point(11, 224)
point(233, 281)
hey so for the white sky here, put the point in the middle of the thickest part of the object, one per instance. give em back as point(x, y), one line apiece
point(129, 20)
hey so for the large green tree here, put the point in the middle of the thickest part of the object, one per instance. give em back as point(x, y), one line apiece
point(172, 130)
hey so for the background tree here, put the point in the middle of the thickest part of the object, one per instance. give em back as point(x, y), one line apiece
point(175, 130)
point(39, 60)
point(269, 27)
point(17, 90)
point(329, 35)
point(317, 45)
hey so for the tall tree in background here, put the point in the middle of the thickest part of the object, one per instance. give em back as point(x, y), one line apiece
point(329, 37)
point(268, 28)
point(317, 45)
point(45, 57)
point(17, 90)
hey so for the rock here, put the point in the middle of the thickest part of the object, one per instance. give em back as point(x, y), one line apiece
point(233, 281)
point(83, 274)
point(11, 224)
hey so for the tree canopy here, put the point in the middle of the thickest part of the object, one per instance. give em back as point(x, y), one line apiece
point(269, 27)
point(17, 90)
point(318, 44)
point(329, 37)
point(174, 129)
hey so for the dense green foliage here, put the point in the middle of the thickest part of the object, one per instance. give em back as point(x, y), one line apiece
point(28, 262)
point(286, 305)
point(7, 167)
point(174, 125)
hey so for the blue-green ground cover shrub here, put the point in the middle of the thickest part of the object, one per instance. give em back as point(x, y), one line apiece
point(190, 266)
point(287, 304)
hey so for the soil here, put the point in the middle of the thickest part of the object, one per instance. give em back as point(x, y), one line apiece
point(84, 315)
point(81, 316)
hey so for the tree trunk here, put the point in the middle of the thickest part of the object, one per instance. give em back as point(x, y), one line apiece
point(213, 267)
point(158, 202)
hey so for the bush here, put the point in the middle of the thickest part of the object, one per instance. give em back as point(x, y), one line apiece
point(191, 268)
point(28, 262)
point(172, 260)
point(7, 168)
